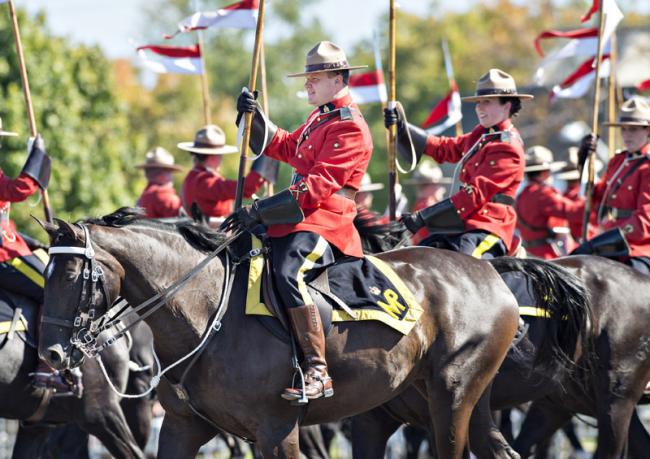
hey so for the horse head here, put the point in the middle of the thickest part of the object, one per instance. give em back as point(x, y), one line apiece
point(82, 280)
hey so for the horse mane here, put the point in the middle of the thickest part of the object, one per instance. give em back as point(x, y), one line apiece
point(197, 235)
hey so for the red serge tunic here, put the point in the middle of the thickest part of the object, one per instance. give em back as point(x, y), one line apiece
point(214, 194)
point(625, 195)
point(540, 207)
point(333, 154)
point(497, 168)
point(160, 201)
point(13, 190)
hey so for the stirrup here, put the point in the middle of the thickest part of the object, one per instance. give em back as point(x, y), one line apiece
point(297, 396)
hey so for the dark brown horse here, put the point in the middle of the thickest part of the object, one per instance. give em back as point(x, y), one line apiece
point(607, 388)
point(453, 352)
point(97, 412)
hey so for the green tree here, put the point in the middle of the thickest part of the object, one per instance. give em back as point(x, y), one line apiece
point(84, 125)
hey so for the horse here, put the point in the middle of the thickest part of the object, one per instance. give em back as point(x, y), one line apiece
point(453, 350)
point(97, 412)
point(605, 384)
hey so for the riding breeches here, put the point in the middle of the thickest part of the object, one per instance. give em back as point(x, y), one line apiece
point(24, 275)
point(295, 258)
point(477, 243)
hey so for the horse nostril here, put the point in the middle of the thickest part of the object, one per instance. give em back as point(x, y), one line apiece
point(55, 356)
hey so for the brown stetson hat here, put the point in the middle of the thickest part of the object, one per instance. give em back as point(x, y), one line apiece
point(634, 112)
point(209, 140)
point(4, 133)
point(539, 158)
point(496, 83)
point(159, 158)
point(326, 57)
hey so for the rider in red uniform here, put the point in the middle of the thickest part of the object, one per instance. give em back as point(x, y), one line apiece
point(543, 214)
point(159, 199)
point(479, 218)
point(621, 199)
point(205, 186)
point(431, 187)
point(21, 269)
point(310, 224)
point(365, 197)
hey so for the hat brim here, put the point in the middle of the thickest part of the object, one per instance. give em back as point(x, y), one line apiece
point(349, 67)
point(172, 168)
point(224, 150)
point(7, 133)
point(371, 187)
point(553, 167)
point(497, 96)
point(627, 123)
point(568, 175)
point(424, 181)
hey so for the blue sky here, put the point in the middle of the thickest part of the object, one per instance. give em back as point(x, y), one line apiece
point(112, 23)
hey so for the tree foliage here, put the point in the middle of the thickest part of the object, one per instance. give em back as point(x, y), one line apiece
point(84, 125)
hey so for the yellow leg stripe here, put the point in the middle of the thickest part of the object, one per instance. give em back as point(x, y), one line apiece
point(42, 255)
point(27, 271)
point(532, 311)
point(485, 245)
point(308, 264)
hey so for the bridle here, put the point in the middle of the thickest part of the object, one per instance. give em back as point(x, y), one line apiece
point(86, 327)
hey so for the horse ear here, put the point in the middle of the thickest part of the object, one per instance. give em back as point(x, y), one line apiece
point(50, 228)
point(65, 226)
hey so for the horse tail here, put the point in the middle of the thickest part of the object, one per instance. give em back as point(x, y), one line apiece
point(569, 312)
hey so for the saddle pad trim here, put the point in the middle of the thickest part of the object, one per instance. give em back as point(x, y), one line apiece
point(42, 255)
point(414, 308)
point(253, 304)
point(533, 311)
point(27, 271)
point(5, 326)
point(370, 314)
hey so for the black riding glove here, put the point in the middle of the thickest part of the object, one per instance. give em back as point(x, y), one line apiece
point(586, 248)
point(245, 218)
point(246, 103)
point(391, 117)
point(413, 222)
point(587, 147)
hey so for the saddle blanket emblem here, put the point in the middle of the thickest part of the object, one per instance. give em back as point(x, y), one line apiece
point(368, 286)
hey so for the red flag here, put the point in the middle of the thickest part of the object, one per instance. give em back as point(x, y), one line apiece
point(368, 87)
point(579, 33)
point(643, 86)
point(593, 10)
point(440, 111)
point(173, 51)
point(240, 15)
point(580, 81)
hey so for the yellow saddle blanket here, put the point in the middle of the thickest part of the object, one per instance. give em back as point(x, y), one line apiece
point(368, 288)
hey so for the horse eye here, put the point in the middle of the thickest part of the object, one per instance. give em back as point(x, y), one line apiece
point(71, 275)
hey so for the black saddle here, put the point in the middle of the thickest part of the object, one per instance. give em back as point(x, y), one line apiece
point(20, 314)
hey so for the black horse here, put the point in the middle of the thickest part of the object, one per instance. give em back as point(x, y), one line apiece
point(606, 383)
point(454, 349)
point(97, 412)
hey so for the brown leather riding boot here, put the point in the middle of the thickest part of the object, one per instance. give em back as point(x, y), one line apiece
point(308, 329)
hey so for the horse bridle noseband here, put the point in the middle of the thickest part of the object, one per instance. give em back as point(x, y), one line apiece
point(84, 326)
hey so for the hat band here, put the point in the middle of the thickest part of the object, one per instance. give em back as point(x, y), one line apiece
point(325, 66)
point(633, 119)
point(207, 145)
point(493, 91)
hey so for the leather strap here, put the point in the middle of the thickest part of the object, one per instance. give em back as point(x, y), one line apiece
point(501, 198)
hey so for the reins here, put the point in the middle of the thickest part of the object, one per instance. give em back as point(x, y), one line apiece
point(86, 338)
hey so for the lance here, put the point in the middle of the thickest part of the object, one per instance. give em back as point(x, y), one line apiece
point(452, 79)
point(392, 131)
point(205, 88)
point(612, 84)
point(265, 99)
point(28, 97)
point(589, 191)
point(248, 117)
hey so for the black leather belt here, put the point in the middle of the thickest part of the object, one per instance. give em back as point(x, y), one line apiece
point(617, 213)
point(500, 198)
